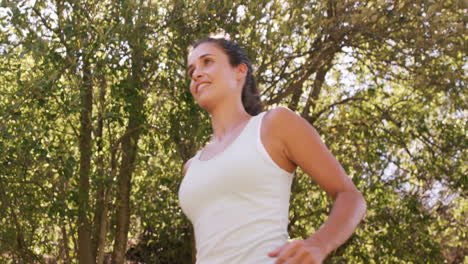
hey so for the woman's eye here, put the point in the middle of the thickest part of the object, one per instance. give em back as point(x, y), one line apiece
point(206, 61)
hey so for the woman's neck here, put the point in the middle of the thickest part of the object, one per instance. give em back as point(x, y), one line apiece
point(227, 120)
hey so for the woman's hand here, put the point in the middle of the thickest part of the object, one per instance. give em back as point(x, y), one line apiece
point(298, 252)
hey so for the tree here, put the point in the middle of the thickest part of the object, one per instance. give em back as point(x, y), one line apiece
point(97, 120)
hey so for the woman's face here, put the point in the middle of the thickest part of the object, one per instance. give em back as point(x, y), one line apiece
point(213, 79)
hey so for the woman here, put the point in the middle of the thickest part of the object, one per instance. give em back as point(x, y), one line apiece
point(236, 189)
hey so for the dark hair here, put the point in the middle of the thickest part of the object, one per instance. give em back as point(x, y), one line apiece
point(250, 94)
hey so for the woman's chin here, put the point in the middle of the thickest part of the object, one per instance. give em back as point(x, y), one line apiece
point(205, 103)
point(208, 105)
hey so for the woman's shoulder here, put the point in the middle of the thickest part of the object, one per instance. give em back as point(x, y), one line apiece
point(280, 117)
point(280, 112)
point(283, 123)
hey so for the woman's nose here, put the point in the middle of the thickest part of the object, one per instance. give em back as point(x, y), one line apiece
point(197, 74)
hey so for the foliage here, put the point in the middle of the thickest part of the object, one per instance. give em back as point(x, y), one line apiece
point(382, 81)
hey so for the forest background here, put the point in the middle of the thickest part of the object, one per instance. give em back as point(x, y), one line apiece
point(96, 121)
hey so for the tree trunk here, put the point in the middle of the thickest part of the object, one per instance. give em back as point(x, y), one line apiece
point(101, 208)
point(64, 251)
point(84, 228)
point(136, 97)
point(129, 149)
point(194, 248)
point(317, 87)
point(101, 243)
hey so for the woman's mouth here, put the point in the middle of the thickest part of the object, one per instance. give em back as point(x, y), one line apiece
point(201, 86)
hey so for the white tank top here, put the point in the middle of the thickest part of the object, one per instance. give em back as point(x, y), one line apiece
point(238, 201)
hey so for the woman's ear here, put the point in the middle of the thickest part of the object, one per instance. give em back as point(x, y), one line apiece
point(242, 71)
